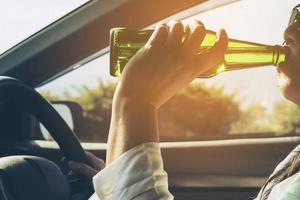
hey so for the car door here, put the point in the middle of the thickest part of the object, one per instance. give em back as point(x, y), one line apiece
point(202, 160)
point(227, 152)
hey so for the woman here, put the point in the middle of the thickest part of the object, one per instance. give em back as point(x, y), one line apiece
point(164, 66)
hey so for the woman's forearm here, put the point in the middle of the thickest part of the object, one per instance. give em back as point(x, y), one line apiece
point(134, 122)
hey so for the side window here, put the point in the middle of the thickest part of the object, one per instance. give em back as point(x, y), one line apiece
point(238, 104)
point(92, 88)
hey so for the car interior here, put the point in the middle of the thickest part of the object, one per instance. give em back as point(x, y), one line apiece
point(230, 164)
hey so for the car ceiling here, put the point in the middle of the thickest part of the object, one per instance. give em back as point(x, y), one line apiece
point(85, 32)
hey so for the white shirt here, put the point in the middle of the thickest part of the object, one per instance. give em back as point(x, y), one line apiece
point(288, 189)
point(136, 175)
point(285, 190)
point(139, 175)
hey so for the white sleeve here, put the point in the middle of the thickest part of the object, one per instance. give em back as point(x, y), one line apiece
point(136, 175)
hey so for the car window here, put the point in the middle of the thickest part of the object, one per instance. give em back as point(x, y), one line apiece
point(21, 19)
point(237, 104)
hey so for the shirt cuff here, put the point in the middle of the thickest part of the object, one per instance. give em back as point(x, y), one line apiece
point(136, 171)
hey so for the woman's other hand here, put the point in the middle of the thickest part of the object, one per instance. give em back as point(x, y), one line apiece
point(86, 170)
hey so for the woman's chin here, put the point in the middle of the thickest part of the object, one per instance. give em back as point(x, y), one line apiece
point(289, 88)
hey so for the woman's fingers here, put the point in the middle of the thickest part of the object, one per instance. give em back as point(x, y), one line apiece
point(88, 171)
point(193, 35)
point(194, 39)
point(82, 169)
point(97, 163)
point(159, 36)
point(214, 55)
point(187, 32)
point(175, 37)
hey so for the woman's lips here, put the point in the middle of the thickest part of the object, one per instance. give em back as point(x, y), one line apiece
point(291, 65)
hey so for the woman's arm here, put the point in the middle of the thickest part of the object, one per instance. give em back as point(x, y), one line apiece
point(164, 66)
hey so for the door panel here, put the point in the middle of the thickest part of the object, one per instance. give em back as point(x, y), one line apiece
point(214, 193)
point(210, 170)
point(231, 169)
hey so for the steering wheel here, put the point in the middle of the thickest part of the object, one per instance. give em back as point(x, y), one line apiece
point(17, 93)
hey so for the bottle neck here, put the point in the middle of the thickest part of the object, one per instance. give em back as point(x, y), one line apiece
point(279, 55)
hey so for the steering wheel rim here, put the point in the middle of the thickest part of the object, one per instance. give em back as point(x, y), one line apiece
point(15, 91)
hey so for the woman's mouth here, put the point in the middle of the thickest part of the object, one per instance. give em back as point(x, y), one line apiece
point(291, 64)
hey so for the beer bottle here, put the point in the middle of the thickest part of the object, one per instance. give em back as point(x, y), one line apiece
point(124, 43)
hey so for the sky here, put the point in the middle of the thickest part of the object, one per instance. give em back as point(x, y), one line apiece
point(20, 19)
point(260, 21)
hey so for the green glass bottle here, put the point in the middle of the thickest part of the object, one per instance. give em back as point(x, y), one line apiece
point(124, 43)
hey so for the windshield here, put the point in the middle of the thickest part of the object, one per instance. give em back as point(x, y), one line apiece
point(244, 103)
point(21, 19)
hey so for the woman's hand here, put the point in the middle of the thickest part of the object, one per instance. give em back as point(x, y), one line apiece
point(166, 64)
point(88, 171)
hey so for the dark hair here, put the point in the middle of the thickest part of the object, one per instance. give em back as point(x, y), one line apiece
point(290, 169)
